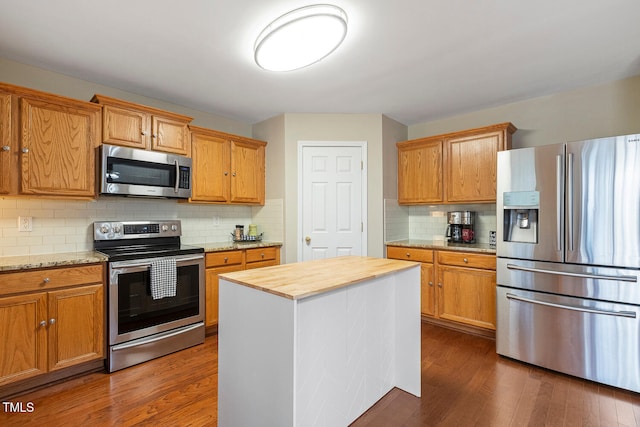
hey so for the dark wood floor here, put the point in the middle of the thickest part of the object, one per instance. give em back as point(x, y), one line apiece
point(464, 383)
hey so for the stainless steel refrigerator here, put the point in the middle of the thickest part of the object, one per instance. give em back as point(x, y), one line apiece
point(568, 247)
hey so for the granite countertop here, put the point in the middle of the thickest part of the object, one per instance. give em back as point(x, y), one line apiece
point(27, 262)
point(444, 246)
point(304, 279)
point(228, 246)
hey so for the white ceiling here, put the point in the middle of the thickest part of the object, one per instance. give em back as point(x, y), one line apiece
point(413, 60)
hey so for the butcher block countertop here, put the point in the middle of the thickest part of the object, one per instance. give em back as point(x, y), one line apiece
point(305, 279)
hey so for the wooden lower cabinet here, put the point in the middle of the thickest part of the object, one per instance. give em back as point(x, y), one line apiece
point(52, 329)
point(229, 261)
point(457, 287)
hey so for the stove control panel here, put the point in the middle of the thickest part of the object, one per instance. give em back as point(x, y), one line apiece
point(116, 230)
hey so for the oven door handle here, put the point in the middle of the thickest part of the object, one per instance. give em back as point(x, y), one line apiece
point(158, 337)
point(148, 264)
point(630, 314)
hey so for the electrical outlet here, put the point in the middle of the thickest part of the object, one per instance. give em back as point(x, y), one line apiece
point(25, 223)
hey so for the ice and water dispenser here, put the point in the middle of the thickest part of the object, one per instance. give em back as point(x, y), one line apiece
point(521, 216)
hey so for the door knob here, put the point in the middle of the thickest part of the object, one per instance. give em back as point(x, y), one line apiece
point(307, 239)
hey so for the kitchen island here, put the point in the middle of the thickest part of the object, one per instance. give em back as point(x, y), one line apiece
point(316, 342)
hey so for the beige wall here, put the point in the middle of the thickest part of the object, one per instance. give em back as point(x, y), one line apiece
point(283, 137)
point(392, 132)
point(598, 111)
point(60, 84)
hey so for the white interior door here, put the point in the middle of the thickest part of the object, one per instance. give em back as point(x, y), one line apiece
point(332, 197)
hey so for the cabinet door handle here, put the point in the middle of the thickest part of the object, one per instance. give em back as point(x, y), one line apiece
point(25, 150)
point(6, 148)
point(262, 255)
point(465, 260)
point(143, 133)
point(43, 323)
point(46, 280)
point(52, 321)
point(226, 173)
point(439, 285)
point(430, 283)
point(233, 174)
point(408, 255)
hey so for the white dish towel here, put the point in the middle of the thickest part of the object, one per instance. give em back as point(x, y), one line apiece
point(163, 278)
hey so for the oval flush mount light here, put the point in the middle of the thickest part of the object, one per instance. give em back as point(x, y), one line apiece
point(301, 37)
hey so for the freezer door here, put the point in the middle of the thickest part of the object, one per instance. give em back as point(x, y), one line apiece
point(595, 340)
point(582, 281)
point(530, 203)
point(603, 201)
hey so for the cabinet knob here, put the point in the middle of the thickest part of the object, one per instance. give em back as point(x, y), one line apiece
point(307, 239)
point(233, 174)
point(154, 136)
point(25, 150)
point(46, 280)
point(262, 255)
point(226, 173)
point(465, 260)
point(52, 321)
point(430, 283)
point(43, 323)
point(408, 255)
point(6, 148)
point(226, 259)
point(439, 285)
point(143, 133)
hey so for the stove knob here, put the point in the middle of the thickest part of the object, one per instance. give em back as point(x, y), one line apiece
point(105, 228)
point(165, 227)
point(174, 227)
point(117, 229)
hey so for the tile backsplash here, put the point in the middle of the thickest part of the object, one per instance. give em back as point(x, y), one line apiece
point(67, 225)
point(430, 222)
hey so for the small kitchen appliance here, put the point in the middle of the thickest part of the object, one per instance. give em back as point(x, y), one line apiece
point(460, 228)
point(155, 292)
point(128, 171)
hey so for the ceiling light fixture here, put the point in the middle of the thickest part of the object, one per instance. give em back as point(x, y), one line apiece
point(301, 37)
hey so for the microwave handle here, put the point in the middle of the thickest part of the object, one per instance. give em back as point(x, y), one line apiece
point(177, 185)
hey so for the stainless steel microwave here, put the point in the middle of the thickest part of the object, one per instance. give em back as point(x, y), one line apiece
point(132, 172)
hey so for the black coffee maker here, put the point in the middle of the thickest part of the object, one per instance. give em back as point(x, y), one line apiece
point(460, 228)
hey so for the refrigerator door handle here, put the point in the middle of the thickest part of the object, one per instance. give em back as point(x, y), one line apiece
point(559, 189)
point(633, 279)
point(570, 199)
point(629, 314)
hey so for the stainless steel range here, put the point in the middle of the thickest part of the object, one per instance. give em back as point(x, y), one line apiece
point(156, 290)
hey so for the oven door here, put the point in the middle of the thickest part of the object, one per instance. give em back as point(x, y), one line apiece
point(133, 313)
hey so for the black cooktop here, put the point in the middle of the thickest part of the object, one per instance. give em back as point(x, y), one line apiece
point(141, 250)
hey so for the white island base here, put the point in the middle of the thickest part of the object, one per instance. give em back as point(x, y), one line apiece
point(317, 355)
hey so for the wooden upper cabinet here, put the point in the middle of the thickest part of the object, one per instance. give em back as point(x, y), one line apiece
point(57, 146)
point(472, 166)
point(138, 126)
point(211, 157)
point(7, 148)
point(124, 127)
point(227, 168)
point(420, 171)
point(466, 172)
point(247, 171)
